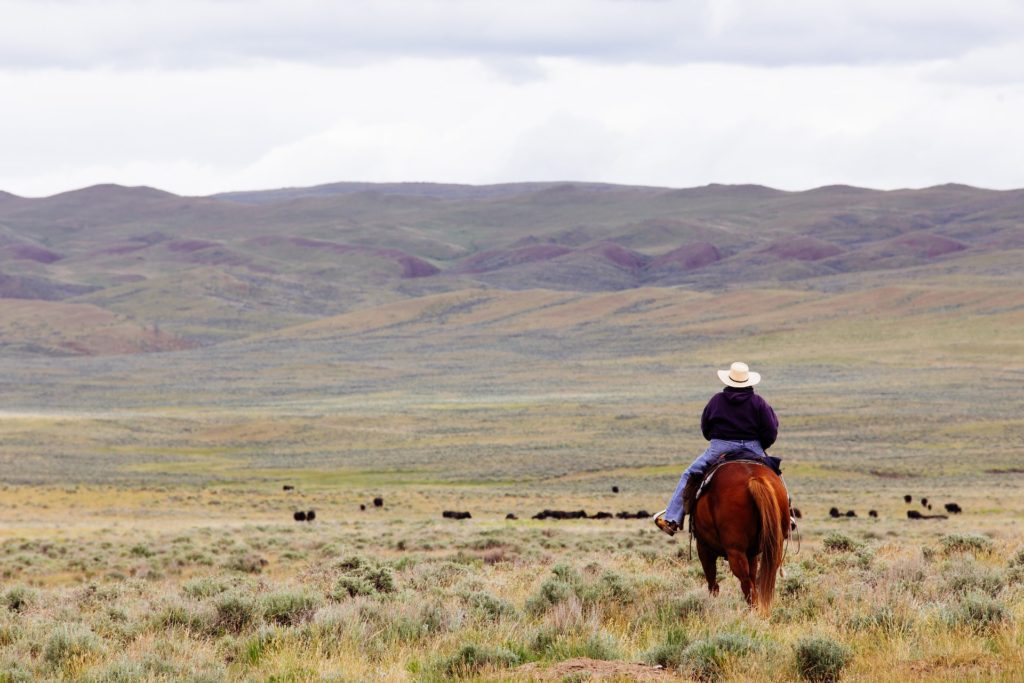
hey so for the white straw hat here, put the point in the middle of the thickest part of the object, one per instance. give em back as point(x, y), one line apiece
point(739, 376)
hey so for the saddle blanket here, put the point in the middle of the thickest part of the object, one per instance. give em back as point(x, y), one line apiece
point(739, 456)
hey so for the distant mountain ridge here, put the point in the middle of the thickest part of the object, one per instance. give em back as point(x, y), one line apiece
point(209, 269)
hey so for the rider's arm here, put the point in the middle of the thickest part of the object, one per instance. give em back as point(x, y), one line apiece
point(705, 420)
point(768, 426)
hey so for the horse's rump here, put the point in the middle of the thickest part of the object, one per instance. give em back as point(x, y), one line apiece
point(741, 514)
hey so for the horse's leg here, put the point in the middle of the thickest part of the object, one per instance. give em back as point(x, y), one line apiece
point(741, 570)
point(709, 561)
point(752, 563)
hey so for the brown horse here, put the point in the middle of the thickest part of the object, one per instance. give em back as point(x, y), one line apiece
point(743, 516)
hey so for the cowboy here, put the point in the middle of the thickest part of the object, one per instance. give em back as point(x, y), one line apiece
point(735, 419)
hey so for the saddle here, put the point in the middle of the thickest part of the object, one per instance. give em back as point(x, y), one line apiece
point(696, 485)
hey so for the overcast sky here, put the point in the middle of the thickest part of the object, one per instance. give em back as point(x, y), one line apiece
point(204, 96)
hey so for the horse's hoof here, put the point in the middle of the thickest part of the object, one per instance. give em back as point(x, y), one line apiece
point(714, 591)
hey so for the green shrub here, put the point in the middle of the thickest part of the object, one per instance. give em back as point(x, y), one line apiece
point(248, 563)
point(884, 619)
point(179, 616)
point(965, 543)
point(289, 608)
point(669, 652)
point(702, 661)
point(141, 550)
point(793, 584)
point(406, 627)
point(821, 660)
point(977, 612)
point(968, 577)
point(205, 587)
point(551, 592)
point(359, 576)
point(598, 645)
point(20, 598)
point(257, 646)
point(1015, 576)
point(233, 613)
point(470, 659)
point(123, 671)
point(1018, 558)
point(568, 574)
point(9, 634)
point(614, 587)
point(694, 604)
point(15, 672)
point(836, 542)
point(70, 644)
point(488, 606)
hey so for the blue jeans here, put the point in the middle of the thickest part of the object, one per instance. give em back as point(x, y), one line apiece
point(716, 448)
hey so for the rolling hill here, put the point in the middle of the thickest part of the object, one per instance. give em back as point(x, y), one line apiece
point(206, 270)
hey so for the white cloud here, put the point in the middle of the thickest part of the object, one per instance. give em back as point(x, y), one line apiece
point(202, 33)
point(452, 120)
point(201, 96)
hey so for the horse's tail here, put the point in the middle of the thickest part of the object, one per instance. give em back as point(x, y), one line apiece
point(771, 540)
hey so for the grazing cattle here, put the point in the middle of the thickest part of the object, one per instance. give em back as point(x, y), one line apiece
point(362, 506)
point(833, 513)
point(602, 515)
point(953, 508)
point(908, 498)
point(455, 514)
point(914, 514)
point(562, 514)
point(795, 512)
point(378, 502)
point(511, 516)
point(299, 516)
point(872, 513)
point(310, 515)
point(929, 506)
point(615, 489)
point(924, 502)
point(851, 513)
point(288, 487)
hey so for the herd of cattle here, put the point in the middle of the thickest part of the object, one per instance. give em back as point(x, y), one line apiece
point(835, 513)
point(951, 508)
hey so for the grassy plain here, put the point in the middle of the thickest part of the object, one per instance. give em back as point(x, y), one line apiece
point(145, 535)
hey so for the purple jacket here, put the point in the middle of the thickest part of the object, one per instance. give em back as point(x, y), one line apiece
point(739, 415)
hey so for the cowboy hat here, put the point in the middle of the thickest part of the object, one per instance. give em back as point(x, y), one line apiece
point(739, 375)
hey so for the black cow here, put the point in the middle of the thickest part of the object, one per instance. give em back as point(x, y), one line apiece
point(914, 514)
point(299, 516)
point(872, 513)
point(288, 487)
point(615, 489)
point(455, 514)
point(834, 513)
point(924, 502)
point(602, 515)
point(953, 508)
point(511, 516)
point(378, 502)
point(851, 513)
point(908, 498)
point(310, 515)
point(362, 506)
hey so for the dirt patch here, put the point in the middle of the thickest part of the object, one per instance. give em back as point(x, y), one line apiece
point(595, 670)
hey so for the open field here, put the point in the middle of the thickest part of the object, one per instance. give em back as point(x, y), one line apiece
point(145, 535)
point(171, 364)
